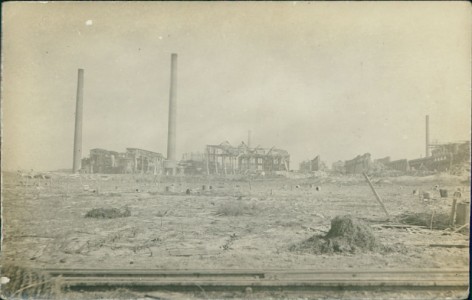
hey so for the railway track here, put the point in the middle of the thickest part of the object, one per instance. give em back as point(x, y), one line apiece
point(262, 280)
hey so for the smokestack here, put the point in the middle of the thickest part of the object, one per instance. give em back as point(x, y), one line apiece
point(427, 136)
point(249, 139)
point(77, 163)
point(171, 137)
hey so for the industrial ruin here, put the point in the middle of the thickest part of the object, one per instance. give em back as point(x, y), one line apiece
point(444, 158)
point(133, 161)
point(312, 165)
point(237, 208)
point(235, 150)
point(227, 159)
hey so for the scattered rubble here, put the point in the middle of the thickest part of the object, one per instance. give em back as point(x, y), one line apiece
point(440, 220)
point(347, 235)
point(26, 283)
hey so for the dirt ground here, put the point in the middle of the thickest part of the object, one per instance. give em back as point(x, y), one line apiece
point(238, 223)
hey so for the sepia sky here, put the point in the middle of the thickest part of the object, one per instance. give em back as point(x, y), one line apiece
point(330, 79)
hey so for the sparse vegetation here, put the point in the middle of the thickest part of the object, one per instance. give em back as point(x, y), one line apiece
point(108, 213)
point(236, 208)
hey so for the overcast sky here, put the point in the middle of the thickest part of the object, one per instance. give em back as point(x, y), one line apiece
point(329, 79)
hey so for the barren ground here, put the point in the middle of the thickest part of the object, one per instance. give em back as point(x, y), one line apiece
point(237, 224)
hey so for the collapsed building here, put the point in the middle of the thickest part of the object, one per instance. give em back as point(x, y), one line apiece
point(338, 167)
point(312, 165)
point(133, 161)
point(401, 165)
point(193, 163)
point(397, 165)
point(359, 164)
point(227, 159)
point(443, 157)
point(383, 161)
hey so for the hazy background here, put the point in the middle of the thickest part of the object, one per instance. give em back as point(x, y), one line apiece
point(334, 79)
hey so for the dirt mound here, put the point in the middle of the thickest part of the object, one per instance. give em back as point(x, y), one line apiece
point(347, 234)
point(438, 220)
point(28, 284)
point(108, 213)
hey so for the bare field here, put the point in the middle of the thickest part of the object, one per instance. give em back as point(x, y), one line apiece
point(235, 224)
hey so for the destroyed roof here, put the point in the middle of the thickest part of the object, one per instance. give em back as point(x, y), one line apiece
point(103, 151)
point(244, 150)
point(142, 150)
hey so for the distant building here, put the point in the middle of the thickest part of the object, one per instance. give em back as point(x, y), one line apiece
point(359, 164)
point(227, 159)
point(338, 167)
point(193, 163)
point(384, 161)
point(195, 156)
point(443, 157)
point(136, 161)
point(399, 165)
point(312, 165)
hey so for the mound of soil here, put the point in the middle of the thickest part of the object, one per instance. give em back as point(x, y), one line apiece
point(347, 235)
point(441, 220)
point(27, 283)
point(107, 213)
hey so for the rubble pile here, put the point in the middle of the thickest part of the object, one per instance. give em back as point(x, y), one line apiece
point(347, 235)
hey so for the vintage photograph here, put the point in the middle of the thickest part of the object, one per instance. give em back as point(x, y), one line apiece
point(235, 150)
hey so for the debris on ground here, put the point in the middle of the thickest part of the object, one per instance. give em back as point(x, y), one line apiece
point(436, 220)
point(26, 283)
point(347, 235)
point(108, 213)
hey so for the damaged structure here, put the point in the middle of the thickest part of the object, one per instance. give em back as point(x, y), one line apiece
point(193, 163)
point(312, 165)
point(133, 161)
point(398, 165)
point(338, 167)
point(227, 159)
point(359, 164)
point(443, 157)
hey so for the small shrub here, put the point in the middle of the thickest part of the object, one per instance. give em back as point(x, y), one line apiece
point(108, 213)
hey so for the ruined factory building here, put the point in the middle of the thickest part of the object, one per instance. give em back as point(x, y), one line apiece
point(443, 157)
point(227, 159)
point(312, 165)
point(133, 161)
point(359, 164)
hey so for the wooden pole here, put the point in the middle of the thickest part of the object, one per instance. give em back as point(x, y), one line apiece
point(207, 159)
point(376, 195)
point(453, 212)
point(224, 163)
point(432, 218)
